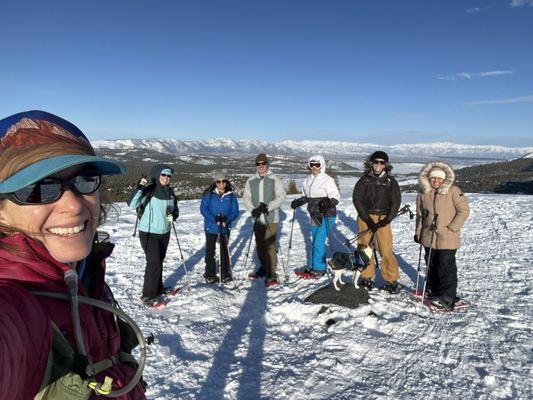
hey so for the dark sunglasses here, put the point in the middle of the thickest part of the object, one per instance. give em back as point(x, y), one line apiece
point(314, 165)
point(48, 190)
point(379, 162)
point(219, 181)
point(260, 163)
point(168, 176)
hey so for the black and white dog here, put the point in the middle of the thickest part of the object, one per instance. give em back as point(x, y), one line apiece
point(354, 262)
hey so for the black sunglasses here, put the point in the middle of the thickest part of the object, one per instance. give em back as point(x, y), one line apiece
point(219, 181)
point(314, 164)
point(168, 176)
point(260, 163)
point(48, 190)
point(379, 162)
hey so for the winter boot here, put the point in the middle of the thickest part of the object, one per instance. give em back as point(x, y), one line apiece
point(392, 287)
point(227, 279)
point(317, 273)
point(442, 304)
point(271, 282)
point(367, 283)
point(260, 273)
point(210, 278)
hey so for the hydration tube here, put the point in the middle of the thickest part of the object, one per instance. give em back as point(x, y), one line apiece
point(105, 306)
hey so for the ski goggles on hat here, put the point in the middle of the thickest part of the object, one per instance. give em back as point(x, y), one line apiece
point(49, 190)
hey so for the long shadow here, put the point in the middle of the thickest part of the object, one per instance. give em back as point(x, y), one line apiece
point(408, 269)
point(251, 318)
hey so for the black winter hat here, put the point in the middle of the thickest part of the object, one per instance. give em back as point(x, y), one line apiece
point(379, 154)
point(261, 158)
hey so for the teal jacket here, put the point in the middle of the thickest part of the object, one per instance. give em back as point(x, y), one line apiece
point(154, 218)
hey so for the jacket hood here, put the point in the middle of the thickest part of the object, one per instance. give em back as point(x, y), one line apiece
point(423, 179)
point(367, 165)
point(321, 160)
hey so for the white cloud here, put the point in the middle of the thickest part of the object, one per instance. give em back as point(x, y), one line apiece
point(520, 3)
point(476, 9)
point(471, 75)
point(513, 100)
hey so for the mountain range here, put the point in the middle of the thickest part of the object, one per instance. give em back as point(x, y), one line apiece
point(233, 147)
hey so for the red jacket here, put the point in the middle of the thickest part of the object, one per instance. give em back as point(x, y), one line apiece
point(25, 331)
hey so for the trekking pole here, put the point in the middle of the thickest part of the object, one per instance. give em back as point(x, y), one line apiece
point(130, 266)
point(219, 238)
point(424, 216)
point(433, 229)
point(228, 253)
point(181, 254)
point(290, 238)
point(248, 249)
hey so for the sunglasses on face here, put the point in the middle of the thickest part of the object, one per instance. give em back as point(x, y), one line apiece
point(166, 176)
point(260, 163)
point(48, 190)
point(314, 165)
point(381, 162)
point(219, 181)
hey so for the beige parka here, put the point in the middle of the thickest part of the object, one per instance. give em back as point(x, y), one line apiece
point(448, 202)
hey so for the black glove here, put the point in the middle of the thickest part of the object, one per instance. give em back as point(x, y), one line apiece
point(261, 209)
point(324, 205)
point(298, 202)
point(372, 226)
point(384, 222)
point(416, 238)
point(220, 219)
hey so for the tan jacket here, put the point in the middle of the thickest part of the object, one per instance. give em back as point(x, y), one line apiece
point(448, 202)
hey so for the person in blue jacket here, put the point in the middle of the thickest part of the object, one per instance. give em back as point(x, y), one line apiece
point(219, 208)
point(157, 209)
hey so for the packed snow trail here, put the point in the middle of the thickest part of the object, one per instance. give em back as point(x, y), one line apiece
point(267, 343)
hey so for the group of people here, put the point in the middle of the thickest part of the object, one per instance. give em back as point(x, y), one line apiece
point(59, 323)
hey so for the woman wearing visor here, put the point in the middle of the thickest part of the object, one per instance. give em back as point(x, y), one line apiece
point(157, 210)
point(322, 196)
point(52, 343)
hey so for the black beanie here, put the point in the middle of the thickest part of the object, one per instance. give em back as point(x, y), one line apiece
point(379, 154)
point(261, 158)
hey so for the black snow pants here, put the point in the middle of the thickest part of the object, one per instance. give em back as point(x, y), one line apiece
point(155, 248)
point(210, 251)
point(442, 276)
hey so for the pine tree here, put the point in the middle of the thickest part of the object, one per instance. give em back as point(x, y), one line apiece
point(292, 188)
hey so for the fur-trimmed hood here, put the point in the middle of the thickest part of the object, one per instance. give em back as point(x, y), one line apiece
point(423, 179)
point(367, 165)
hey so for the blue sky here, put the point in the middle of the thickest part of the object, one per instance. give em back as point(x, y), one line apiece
point(365, 71)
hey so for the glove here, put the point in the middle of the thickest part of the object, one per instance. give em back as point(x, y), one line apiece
point(143, 182)
point(220, 219)
point(170, 218)
point(324, 205)
point(416, 239)
point(383, 222)
point(372, 226)
point(298, 202)
point(261, 209)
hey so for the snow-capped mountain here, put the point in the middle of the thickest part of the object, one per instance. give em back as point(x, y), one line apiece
point(290, 147)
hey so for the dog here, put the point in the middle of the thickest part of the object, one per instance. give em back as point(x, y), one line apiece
point(354, 262)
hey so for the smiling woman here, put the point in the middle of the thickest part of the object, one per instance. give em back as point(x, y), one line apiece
point(49, 211)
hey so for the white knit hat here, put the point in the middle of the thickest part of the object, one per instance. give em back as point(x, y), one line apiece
point(437, 172)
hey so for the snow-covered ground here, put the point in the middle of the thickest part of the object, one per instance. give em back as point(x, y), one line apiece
point(256, 343)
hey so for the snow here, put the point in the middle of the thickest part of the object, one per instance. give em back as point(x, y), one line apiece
point(253, 343)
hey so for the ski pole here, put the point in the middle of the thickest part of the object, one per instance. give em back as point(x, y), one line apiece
point(404, 209)
point(228, 253)
point(181, 254)
point(424, 216)
point(248, 249)
point(433, 229)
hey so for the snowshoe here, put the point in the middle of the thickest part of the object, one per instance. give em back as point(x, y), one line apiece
point(309, 274)
point(153, 302)
point(271, 282)
point(227, 279)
